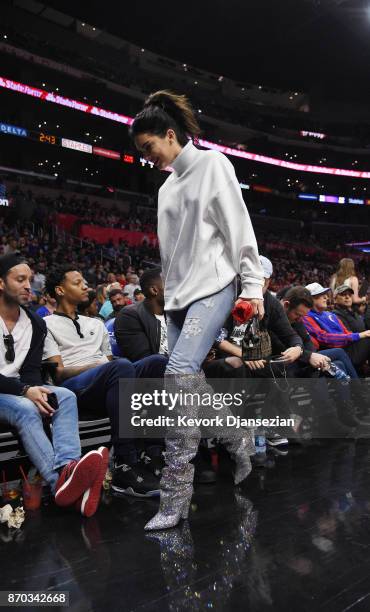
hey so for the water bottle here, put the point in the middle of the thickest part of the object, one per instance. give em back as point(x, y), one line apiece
point(260, 442)
point(338, 373)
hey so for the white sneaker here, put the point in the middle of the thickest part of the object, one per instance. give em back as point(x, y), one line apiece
point(275, 439)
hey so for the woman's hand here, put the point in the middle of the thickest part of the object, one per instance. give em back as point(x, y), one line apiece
point(257, 305)
point(255, 365)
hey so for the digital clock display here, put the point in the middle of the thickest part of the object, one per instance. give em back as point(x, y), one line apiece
point(49, 138)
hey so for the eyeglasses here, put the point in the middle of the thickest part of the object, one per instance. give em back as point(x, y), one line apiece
point(9, 343)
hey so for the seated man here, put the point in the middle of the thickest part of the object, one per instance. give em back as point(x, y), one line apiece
point(107, 308)
point(139, 295)
point(90, 308)
point(343, 303)
point(81, 349)
point(276, 323)
point(132, 284)
point(118, 299)
point(141, 329)
point(48, 308)
point(290, 346)
point(364, 311)
point(25, 401)
point(328, 331)
point(297, 302)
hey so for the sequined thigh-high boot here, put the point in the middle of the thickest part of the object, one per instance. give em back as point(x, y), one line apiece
point(178, 474)
point(239, 442)
point(182, 445)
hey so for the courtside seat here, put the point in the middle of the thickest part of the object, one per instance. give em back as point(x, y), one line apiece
point(93, 433)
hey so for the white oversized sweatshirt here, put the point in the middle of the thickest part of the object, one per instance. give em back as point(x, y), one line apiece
point(205, 233)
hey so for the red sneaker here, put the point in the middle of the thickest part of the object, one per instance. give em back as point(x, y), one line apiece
point(76, 477)
point(89, 501)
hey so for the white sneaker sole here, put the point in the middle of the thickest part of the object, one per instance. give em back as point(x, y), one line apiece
point(280, 442)
point(130, 491)
point(77, 467)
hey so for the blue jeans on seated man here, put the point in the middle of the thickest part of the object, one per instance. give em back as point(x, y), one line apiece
point(97, 391)
point(48, 457)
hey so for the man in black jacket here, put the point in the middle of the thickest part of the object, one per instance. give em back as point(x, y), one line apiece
point(25, 401)
point(297, 302)
point(140, 328)
point(343, 309)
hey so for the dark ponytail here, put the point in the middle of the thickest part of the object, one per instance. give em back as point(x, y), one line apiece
point(164, 110)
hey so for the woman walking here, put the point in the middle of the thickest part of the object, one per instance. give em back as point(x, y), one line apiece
point(206, 240)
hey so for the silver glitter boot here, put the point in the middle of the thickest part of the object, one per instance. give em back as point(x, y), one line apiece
point(178, 474)
point(240, 451)
point(176, 483)
point(240, 443)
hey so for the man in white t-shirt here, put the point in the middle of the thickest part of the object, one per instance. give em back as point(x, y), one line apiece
point(81, 349)
point(25, 401)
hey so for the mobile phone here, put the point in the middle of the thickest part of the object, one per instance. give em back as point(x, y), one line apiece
point(53, 401)
point(277, 359)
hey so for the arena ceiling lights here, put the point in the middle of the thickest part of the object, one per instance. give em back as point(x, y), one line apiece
point(283, 163)
point(47, 96)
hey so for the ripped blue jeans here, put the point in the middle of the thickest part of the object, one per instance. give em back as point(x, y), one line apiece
point(192, 331)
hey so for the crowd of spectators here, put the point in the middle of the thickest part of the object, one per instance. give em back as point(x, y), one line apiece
point(314, 332)
point(111, 298)
point(93, 213)
point(301, 258)
point(43, 208)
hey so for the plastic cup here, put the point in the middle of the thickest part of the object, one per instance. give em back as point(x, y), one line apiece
point(10, 494)
point(32, 493)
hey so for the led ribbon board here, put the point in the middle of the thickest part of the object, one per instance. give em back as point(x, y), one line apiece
point(47, 96)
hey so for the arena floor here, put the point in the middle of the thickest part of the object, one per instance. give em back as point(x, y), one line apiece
point(296, 537)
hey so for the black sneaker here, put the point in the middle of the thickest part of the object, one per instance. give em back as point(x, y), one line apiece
point(153, 463)
point(134, 480)
point(280, 451)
